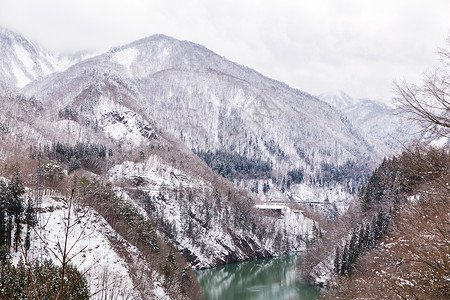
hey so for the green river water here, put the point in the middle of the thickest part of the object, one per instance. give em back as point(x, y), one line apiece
point(263, 279)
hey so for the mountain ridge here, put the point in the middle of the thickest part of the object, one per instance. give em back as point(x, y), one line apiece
point(25, 61)
point(377, 121)
point(133, 116)
point(219, 105)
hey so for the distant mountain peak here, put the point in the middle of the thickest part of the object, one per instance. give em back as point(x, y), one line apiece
point(339, 99)
point(374, 119)
point(24, 61)
point(159, 36)
point(8, 33)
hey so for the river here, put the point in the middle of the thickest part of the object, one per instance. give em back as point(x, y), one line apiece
point(262, 279)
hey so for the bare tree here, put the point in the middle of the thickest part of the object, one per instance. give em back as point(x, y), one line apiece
point(428, 104)
point(65, 252)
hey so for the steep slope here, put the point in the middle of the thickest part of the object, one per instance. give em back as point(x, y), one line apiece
point(393, 242)
point(23, 61)
point(339, 99)
point(101, 129)
point(201, 213)
point(98, 121)
point(216, 106)
point(104, 256)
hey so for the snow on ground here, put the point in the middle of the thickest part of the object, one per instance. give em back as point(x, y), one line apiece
point(326, 199)
point(62, 63)
point(21, 78)
point(129, 130)
point(73, 129)
point(295, 223)
point(335, 195)
point(89, 237)
point(89, 240)
point(122, 124)
point(24, 57)
point(45, 68)
point(210, 244)
point(157, 174)
point(125, 57)
point(323, 271)
point(440, 142)
point(291, 222)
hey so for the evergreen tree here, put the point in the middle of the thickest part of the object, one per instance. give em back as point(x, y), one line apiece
point(41, 281)
point(3, 213)
point(367, 237)
point(344, 261)
point(361, 239)
point(352, 250)
point(315, 232)
point(16, 190)
point(376, 230)
point(30, 219)
point(337, 261)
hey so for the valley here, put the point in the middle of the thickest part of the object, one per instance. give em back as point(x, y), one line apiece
point(146, 166)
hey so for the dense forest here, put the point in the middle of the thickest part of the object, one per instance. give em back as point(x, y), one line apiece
point(235, 166)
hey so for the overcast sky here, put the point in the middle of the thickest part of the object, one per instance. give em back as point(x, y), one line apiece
point(317, 46)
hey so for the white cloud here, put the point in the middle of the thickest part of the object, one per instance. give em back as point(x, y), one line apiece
point(356, 46)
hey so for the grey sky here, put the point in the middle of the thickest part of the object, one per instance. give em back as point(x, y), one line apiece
point(317, 46)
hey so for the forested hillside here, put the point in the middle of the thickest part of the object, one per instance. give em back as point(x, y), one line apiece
point(253, 130)
point(413, 183)
point(121, 202)
point(393, 242)
point(412, 260)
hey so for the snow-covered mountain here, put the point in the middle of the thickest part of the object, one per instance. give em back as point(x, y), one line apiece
point(214, 105)
point(23, 61)
point(339, 99)
point(377, 121)
point(159, 179)
point(122, 127)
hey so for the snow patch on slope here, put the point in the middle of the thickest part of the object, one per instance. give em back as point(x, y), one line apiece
point(440, 142)
point(119, 122)
point(211, 244)
point(127, 126)
point(125, 57)
point(24, 57)
point(157, 174)
point(90, 236)
point(21, 79)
